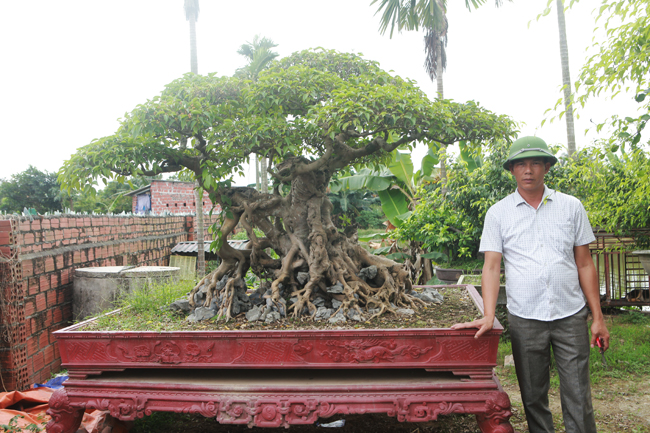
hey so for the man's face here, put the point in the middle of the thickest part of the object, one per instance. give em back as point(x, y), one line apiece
point(529, 173)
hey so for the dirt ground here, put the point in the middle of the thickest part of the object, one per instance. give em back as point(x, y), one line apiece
point(620, 406)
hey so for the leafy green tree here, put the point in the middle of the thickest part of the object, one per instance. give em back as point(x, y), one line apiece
point(621, 61)
point(31, 188)
point(337, 108)
point(613, 187)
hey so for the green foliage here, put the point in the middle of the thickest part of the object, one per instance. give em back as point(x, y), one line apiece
point(354, 205)
point(620, 63)
point(453, 224)
point(370, 219)
point(613, 184)
point(31, 188)
point(259, 56)
point(440, 227)
point(395, 184)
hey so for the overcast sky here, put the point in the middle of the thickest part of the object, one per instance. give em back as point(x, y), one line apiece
point(71, 69)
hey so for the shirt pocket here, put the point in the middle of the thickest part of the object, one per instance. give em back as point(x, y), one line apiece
point(561, 237)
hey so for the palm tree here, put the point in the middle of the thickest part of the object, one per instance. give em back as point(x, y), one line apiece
point(259, 54)
point(192, 15)
point(430, 15)
point(566, 79)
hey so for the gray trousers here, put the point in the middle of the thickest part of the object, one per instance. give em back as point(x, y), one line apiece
point(531, 346)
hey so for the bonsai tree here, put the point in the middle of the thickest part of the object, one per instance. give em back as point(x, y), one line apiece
point(312, 114)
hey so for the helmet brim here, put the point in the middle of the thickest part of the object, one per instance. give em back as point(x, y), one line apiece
point(530, 153)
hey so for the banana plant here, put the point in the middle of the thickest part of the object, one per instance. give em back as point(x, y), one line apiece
point(395, 184)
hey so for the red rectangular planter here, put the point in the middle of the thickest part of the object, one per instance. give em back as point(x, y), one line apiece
point(279, 378)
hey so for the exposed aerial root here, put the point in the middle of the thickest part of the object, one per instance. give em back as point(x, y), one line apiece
point(321, 272)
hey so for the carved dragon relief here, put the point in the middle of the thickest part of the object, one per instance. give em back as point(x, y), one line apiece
point(163, 352)
point(497, 413)
point(65, 418)
point(374, 350)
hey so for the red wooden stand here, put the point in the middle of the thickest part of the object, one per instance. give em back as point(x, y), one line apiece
point(281, 378)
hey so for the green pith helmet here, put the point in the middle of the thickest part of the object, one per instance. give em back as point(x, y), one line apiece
point(529, 147)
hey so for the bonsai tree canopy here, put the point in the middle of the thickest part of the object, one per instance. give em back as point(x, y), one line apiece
point(313, 114)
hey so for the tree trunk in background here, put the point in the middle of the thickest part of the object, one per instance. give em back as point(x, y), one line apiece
point(566, 80)
point(192, 14)
point(439, 71)
point(200, 258)
point(441, 93)
point(258, 186)
point(264, 181)
point(194, 63)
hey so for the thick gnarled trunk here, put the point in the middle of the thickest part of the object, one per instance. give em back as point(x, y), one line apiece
point(299, 229)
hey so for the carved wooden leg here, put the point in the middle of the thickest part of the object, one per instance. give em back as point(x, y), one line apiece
point(497, 415)
point(65, 418)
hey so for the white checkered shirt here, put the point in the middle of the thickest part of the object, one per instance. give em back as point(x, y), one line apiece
point(537, 247)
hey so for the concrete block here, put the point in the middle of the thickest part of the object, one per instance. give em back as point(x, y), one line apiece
point(97, 289)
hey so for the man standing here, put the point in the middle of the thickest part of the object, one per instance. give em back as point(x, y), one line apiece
point(543, 237)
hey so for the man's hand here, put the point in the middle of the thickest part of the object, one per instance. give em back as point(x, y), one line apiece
point(599, 330)
point(589, 285)
point(483, 325)
point(490, 285)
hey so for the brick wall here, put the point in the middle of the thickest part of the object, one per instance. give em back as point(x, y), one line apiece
point(174, 197)
point(37, 262)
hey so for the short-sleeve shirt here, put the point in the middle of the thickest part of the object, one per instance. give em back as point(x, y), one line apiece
point(537, 247)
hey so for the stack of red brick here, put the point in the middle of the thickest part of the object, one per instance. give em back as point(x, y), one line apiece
point(37, 262)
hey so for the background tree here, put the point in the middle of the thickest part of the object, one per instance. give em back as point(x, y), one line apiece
point(566, 79)
point(192, 15)
point(567, 94)
point(313, 113)
point(431, 16)
point(259, 55)
point(29, 189)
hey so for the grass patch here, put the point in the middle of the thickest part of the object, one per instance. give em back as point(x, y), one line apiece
point(629, 348)
point(147, 308)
